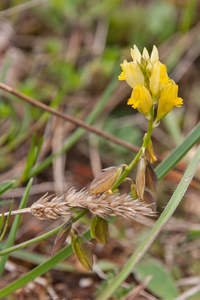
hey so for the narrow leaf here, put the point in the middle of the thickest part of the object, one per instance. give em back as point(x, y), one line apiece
point(6, 185)
point(15, 226)
point(6, 225)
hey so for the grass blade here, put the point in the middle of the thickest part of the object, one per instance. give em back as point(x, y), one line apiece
point(6, 185)
point(178, 153)
point(6, 225)
point(15, 226)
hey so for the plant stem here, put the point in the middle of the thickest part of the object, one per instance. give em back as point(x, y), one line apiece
point(147, 138)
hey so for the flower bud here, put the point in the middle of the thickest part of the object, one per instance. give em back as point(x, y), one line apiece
point(99, 229)
point(62, 236)
point(151, 179)
point(82, 251)
point(150, 153)
point(133, 191)
point(140, 176)
point(149, 199)
point(105, 180)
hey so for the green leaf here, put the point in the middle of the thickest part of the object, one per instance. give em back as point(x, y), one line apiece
point(15, 226)
point(6, 185)
point(162, 283)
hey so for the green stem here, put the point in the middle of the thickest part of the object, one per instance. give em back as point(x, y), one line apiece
point(147, 138)
point(167, 213)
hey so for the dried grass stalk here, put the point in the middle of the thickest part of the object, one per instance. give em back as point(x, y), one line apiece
point(103, 206)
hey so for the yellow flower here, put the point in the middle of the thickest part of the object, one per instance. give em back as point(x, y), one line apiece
point(154, 79)
point(131, 73)
point(141, 99)
point(158, 78)
point(168, 100)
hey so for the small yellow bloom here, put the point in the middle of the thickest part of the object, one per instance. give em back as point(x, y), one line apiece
point(141, 99)
point(135, 54)
point(168, 100)
point(131, 73)
point(154, 55)
point(155, 79)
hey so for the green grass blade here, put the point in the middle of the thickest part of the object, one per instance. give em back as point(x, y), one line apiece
point(1, 222)
point(30, 159)
point(15, 225)
point(144, 246)
point(6, 225)
point(176, 155)
point(6, 185)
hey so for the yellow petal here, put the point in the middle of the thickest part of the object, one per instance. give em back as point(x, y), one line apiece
point(155, 79)
point(135, 54)
point(132, 73)
point(145, 54)
point(168, 100)
point(121, 76)
point(154, 55)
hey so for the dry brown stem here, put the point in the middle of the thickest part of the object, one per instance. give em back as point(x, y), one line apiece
point(69, 118)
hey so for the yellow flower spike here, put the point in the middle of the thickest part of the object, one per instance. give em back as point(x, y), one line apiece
point(154, 55)
point(141, 99)
point(155, 79)
point(132, 74)
point(168, 100)
point(135, 54)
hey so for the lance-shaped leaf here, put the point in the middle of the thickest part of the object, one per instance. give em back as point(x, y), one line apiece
point(151, 179)
point(99, 229)
point(140, 176)
point(61, 236)
point(105, 180)
point(149, 199)
point(82, 251)
point(150, 153)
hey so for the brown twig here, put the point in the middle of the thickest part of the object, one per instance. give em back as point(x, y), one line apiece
point(69, 118)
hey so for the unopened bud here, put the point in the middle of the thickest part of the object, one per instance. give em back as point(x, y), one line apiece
point(151, 179)
point(99, 229)
point(133, 191)
point(62, 236)
point(150, 153)
point(150, 200)
point(105, 180)
point(140, 176)
point(82, 251)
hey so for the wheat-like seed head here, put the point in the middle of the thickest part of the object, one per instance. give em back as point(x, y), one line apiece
point(103, 206)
